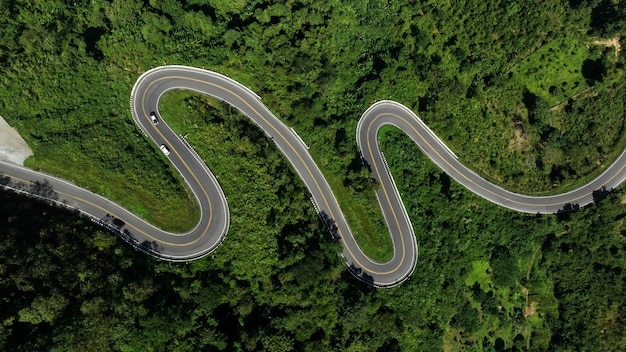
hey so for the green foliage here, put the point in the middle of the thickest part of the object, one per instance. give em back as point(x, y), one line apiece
point(467, 319)
point(525, 93)
point(504, 266)
point(587, 264)
point(43, 309)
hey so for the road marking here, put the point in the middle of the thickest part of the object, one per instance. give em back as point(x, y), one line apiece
point(406, 121)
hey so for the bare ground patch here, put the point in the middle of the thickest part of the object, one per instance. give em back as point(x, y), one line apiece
point(612, 42)
point(13, 148)
point(530, 310)
point(519, 141)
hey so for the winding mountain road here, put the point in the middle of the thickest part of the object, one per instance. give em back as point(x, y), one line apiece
point(214, 218)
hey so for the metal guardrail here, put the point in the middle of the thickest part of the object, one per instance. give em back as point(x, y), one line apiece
point(299, 138)
point(192, 149)
point(125, 235)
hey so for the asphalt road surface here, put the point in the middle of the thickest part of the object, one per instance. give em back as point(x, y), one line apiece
point(214, 220)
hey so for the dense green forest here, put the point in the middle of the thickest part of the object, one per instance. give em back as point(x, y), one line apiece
point(529, 94)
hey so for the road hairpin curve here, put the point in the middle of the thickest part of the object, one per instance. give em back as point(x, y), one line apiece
point(212, 227)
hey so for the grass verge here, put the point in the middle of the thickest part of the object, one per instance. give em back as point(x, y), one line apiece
point(359, 208)
point(122, 165)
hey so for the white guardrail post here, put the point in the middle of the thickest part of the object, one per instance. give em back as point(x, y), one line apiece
point(300, 139)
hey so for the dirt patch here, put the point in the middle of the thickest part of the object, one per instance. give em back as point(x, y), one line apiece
point(519, 141)
point(530, 310)
point(612, 42)
point(12, 147)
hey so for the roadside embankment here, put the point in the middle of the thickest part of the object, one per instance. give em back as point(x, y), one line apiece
point(13, 148)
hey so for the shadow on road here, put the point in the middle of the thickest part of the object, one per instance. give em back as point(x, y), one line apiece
point(600, 193)
point(330, 224)
point(151, 247)
point(5, 180)
point(361, 275)
point(563, 214)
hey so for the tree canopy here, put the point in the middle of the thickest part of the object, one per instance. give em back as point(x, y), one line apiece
point(529, 94)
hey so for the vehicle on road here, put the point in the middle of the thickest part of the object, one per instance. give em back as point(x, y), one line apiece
point(118, 222)
point(211, 230)
point(154, 118)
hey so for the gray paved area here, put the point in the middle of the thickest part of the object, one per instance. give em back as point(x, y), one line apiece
point(13, 148)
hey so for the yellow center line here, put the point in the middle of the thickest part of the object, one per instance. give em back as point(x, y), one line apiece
point(79, 199)
point(410, 125)
point(293, 149)
point(393, 211)
point(407, 126)
point(204, 192)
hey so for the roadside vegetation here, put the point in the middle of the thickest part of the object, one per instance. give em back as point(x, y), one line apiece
point(530, 95)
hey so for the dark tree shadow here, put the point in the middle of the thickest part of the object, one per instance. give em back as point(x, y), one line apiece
point(364, 162)
point(530, 101)
point(564, 213)
point(127, 236)
point(330, 224)
point(5, 180)
point(151, 246)
point(43, 189)
point(92, 36)
point(600, 193)
point(444, 179)
point(604, 16)
point(361, 275)
point(593, 71)
point(341, 138)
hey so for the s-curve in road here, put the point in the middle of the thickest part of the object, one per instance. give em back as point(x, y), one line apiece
point(213, 224)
